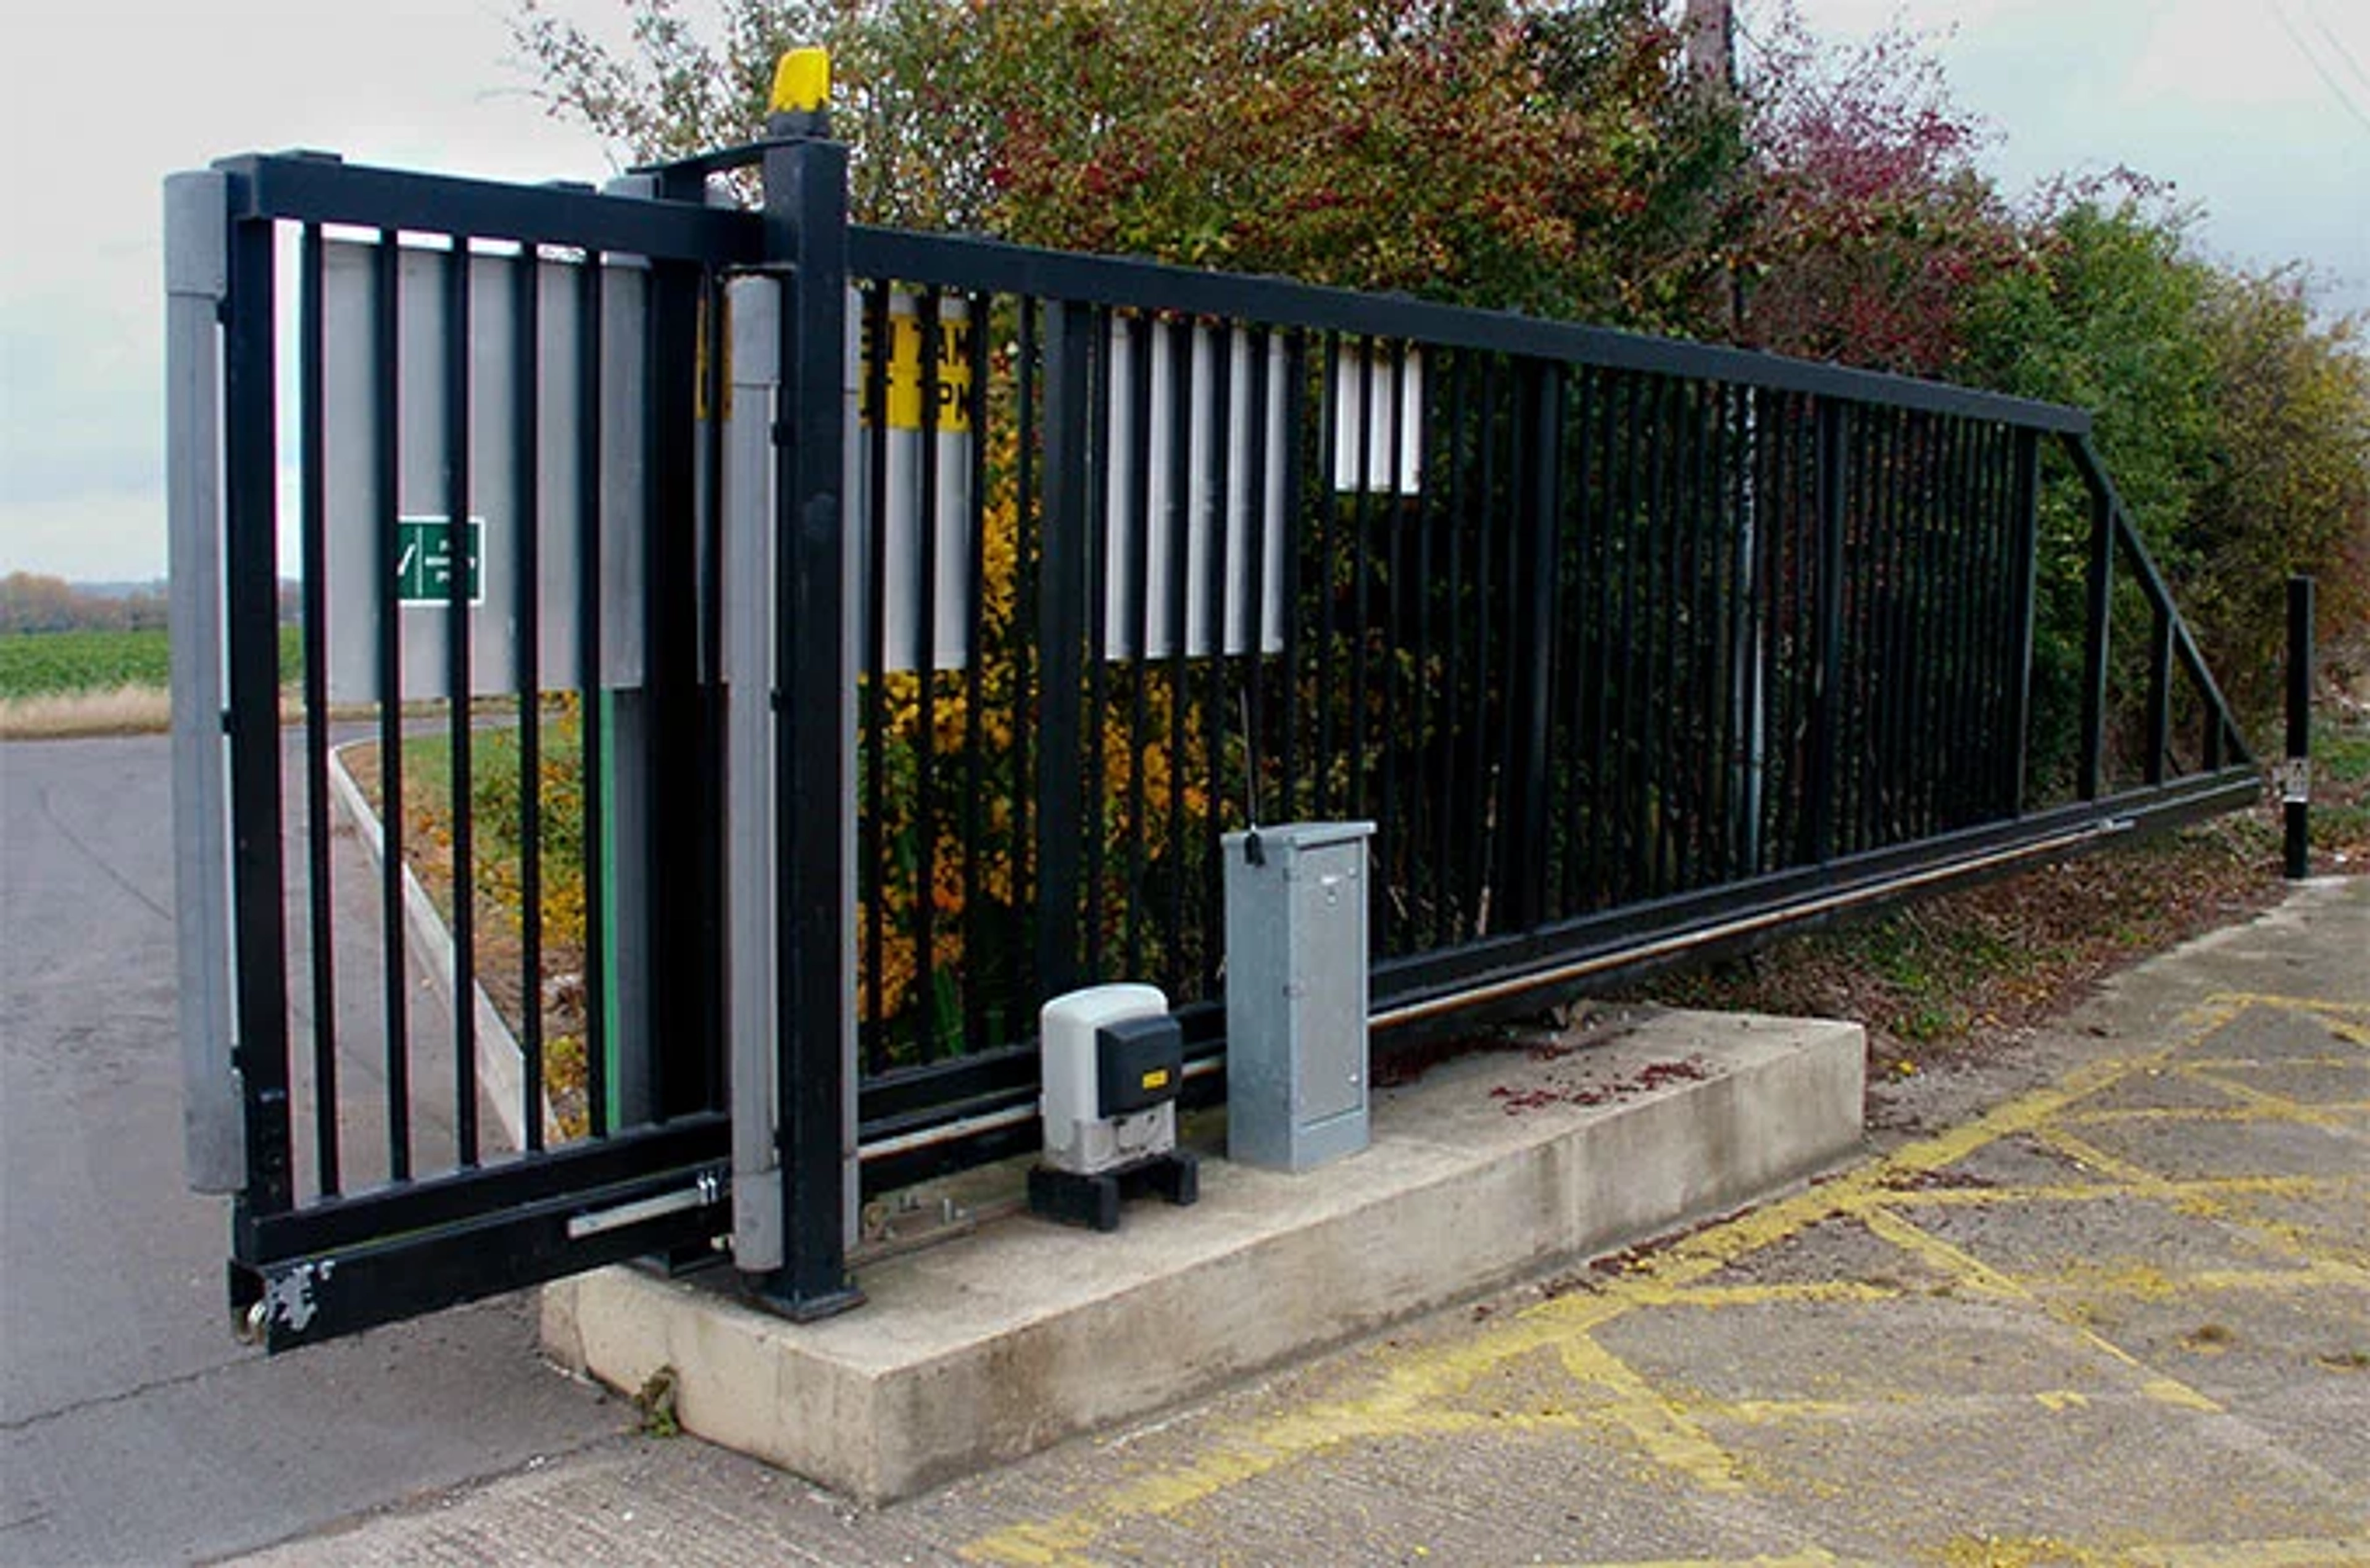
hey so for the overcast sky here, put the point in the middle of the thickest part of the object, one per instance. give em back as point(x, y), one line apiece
point(2257, 109)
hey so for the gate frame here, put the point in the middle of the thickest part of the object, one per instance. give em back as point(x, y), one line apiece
point(782, 1157)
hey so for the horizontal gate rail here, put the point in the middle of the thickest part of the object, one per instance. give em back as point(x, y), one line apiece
point(967, 264)
point(323, 188)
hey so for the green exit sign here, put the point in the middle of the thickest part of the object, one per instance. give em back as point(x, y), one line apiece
point(423, 560)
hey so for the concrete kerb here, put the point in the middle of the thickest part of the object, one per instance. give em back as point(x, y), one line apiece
point(999, 1343)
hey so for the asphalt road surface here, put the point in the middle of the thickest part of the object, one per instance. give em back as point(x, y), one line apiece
point(134, 1428)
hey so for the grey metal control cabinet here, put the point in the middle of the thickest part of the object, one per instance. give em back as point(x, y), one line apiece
point(1296, 993)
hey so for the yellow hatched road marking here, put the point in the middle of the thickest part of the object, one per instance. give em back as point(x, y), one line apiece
point(1408, 1400)
point(2091, 1156)
point(2242, 999)
point(1659, 1425)
point(2207, 1187)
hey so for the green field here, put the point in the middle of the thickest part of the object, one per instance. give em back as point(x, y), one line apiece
point(43, 664)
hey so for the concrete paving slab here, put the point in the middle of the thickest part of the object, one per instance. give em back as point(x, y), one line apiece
point(2116, 1236)
point(1894, 1346)
point(2204, 1148)
point(2107, 1473)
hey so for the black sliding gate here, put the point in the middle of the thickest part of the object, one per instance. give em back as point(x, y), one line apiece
point(740, 664)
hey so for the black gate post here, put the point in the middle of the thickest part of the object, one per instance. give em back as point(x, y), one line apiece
point(2295, 786)
point(1062, 653)
point(806, 230)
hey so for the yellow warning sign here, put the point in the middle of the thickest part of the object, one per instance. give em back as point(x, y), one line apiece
point(904, 388)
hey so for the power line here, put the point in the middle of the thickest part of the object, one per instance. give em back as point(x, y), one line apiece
point(2338, 44)
point(2280, 11)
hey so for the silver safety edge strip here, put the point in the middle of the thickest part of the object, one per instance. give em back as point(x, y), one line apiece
point(753, 901)
point(197, 279)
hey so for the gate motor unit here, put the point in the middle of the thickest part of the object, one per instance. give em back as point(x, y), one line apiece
point(1113, 1061)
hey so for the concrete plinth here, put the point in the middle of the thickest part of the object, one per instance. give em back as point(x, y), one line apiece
point(1004, 1341)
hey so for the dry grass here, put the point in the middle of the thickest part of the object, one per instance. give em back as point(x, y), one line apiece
point(58, 716)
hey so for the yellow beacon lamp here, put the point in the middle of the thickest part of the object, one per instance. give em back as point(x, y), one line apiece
point(800, 104)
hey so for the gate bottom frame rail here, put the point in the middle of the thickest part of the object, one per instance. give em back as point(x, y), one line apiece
point(337, 1267)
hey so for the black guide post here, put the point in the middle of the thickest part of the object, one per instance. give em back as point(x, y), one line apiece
point(2296, 775)
point(806, 229)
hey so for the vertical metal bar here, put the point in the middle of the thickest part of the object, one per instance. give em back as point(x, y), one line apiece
point(527, 506)
point(1176, 530)
point(1027, 671)
point(1255, 535)
point(197, 282)
point(1945, 603)
point(873, 868)
point(1602, 805)
point(1361, 572)
point(1983, 639)
point(926, 680)
point(1901, 631)
point(1577, 768)
point(1977, 740)
point(591, 411)
point(1701, 507)
point(456, 630)
point(2295, 806)
point(1826, 719)
point(1328, 501)
point(1061, 642)
point(1862, 576)
point(1966, 528)
point(1626, 529)
point(978, 969)
point(2159, 694)
point(1537, 517)
point(1102, 391)
point(1490, 763)
point(1297, 432)
point(1215, 598)
point(1141, 333)
point(314, 498)
point(385, 462)
point(1739, 631)
point(1932, 584)
point(252, 716)
point(806, 225)
point(2025, 564)
point(2099, 616)
point(1654, 632)
point(1394, 845)
point(1786, 579)
point(1462, 795)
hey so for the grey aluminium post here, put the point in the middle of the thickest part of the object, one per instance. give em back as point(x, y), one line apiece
point(197, 280)
point(752, 889)
point(806, 228)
